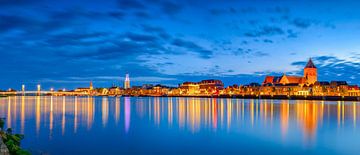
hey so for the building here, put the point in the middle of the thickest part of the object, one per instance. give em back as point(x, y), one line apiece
point(114, 90)
point(190, 88)
point(309, 77)
point(211, 84)
point(127, 82)
point(88, 90)
point(310, 72)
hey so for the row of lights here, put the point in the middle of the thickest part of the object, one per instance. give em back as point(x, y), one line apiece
point(39, 88)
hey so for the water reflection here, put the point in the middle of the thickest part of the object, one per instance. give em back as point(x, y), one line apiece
point(127, 114)
point(46, 115)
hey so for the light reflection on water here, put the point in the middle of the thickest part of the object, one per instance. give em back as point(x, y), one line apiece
point(58, 125)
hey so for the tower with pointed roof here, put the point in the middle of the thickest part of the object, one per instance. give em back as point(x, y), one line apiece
point(310, 72)
point(91, 85)
point(127, 82)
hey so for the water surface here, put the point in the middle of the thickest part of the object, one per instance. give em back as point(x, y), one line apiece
point(151, 125)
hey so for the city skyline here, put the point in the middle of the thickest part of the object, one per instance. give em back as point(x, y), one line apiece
point(69, 44)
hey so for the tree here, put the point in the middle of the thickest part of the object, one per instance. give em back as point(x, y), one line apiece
point(2, 123)
point(12, 141)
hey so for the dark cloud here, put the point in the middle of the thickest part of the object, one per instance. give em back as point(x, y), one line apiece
point(265, 31)
point(249, 53)
point(140, 37)
point(191, 46)
point(267, 41)
point(279, 10)
point(148, 28)
point(232, 10)
point(11, 22)
point(6, 3)
point(130, 4)
point(291, 34)
point(302, 23)
point(218, 11)
point(156, 30)
point(76, 39)
point(171, 8)
point(117, 14)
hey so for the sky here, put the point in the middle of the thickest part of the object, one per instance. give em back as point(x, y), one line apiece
point(67, 44)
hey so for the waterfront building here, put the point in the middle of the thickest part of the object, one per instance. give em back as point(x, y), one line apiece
point(190, 88)
point(114, 91)
point(309, 77)
point(310, 72)
point(204, 87)
point(127, 82)
point(87, 90)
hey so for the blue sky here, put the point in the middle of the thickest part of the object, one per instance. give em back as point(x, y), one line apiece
point(65, 44)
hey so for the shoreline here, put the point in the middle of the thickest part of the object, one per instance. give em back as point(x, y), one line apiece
point(278, 97)
point(3, 148)
point(270, 97)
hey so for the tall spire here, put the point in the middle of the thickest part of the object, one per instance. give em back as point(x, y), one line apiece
point(91, 85)
point(127, 81)
point(310, 64)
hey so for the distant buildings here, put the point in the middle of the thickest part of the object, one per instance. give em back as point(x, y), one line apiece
point(285, 86)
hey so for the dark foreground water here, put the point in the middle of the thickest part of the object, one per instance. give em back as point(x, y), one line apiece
point(151, 125)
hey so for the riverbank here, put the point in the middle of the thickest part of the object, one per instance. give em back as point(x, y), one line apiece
point(276, 97)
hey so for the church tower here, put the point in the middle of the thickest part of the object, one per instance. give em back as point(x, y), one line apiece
point(91, 85)
point(127, 82)
point(310, 72)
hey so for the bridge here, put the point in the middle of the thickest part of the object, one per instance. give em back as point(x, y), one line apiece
point(61, 93)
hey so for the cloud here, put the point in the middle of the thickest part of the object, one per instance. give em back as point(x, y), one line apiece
point(279, 10)
point(76, 39)
point(267, 41)
point(140, 37)
point(117, 14)
point(232, 10)
point(191, 46)
point(249, 53)
point(6, 3)
point(265, 31)
point(291, 34)
point(156, 30)
point(14, 22)
point(130, 4)
point(171, 8)
point(302, 23)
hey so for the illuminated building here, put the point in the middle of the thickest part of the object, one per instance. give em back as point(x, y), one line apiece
point(310, 72)
point(211, 84)
point(309, 78)
point(190, 88)
point(38, 89)
point(204, 87)
point(114, 91)
point(127, 82)
point(88, 90)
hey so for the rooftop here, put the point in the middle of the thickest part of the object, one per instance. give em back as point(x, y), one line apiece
point(310, 64)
